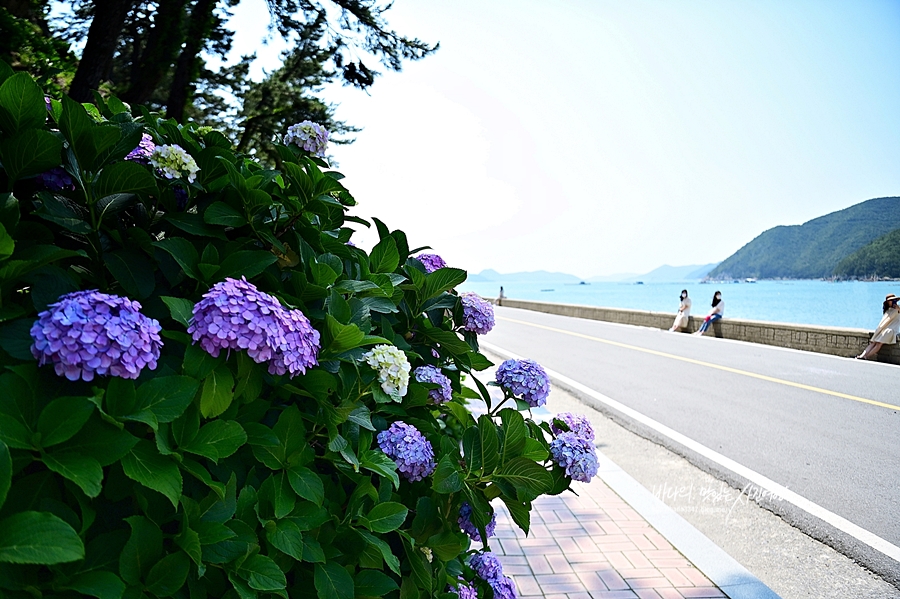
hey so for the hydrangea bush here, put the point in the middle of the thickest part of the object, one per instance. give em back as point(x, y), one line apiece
point(209, 392)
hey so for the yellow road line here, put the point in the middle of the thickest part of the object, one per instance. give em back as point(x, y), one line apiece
point(754, 375)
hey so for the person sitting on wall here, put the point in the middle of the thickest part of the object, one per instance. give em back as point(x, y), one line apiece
point(717, 312)
point(684, 312)
point(887, 331)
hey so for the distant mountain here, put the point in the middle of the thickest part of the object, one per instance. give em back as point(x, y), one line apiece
point(622, 276)
point(673, 274)
point(537, 276)
point(812, 250)
point(880, 258)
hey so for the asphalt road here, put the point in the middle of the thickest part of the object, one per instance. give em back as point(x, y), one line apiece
point(842, 454)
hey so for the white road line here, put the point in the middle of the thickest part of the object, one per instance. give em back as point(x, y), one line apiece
point(814, 509)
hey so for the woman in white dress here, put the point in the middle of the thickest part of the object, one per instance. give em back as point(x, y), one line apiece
point(684, 312)
point(887, 331)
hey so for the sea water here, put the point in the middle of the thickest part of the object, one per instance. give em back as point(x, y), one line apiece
point(853, 304)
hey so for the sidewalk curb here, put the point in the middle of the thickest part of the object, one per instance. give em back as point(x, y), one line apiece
point(723, 570)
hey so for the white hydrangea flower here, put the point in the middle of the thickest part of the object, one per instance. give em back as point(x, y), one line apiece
point(308, 135)
point(392, 366)
point(174, 162)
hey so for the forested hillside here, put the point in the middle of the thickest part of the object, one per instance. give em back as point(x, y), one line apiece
point(881, 258)
point(812, 250)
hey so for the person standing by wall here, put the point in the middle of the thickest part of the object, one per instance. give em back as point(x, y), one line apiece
point(887, 330)
point(684, 312)
point(716, 313)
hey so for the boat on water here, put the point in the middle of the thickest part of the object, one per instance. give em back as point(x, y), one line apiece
point(638, 282)
point(750, 280)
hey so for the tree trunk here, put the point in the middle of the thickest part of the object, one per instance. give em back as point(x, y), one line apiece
point(186, 68)
point(103, 36)
point(163, 43)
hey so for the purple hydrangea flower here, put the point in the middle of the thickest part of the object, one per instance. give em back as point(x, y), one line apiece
point(478, 314)
point(141, 154)
point(89, 333)
point(234, 314)
point(181, 197)
point(468, 527)
point(433, 374)
point(57, 179)
point(577, 424)
point(525, 379)
point(308, 135)
point(464, 590)
point(576, 455)
point(412, 452)
point(431, 262)
point(487, 566)
point(504, 588)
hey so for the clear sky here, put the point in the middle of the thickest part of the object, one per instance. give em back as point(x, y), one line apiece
point(604, 136)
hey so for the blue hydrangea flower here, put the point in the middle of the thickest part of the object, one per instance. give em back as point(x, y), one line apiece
point(141, 154)
point(468, 527)
point(478, 314)
point(89, 333)
point(525, 379)
point(431, 262)
point(308, 135)
point(487, 566)
point(57, 179)
point(577, 424)
point(504, 588)
point(433, 374)
point(576, 455)
point(412, 452)
point(234, 314)
point(464, 590)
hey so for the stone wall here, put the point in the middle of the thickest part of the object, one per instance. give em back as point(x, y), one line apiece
point(826, 340)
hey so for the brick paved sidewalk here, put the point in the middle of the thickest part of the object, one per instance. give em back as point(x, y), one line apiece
point(593, 546)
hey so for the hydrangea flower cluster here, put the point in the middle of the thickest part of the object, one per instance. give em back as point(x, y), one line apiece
point(489, 569)
point(412, 452)
point(464, 590)
point(89, 333)
point(577, 424)
point(57, 179)
point(141, 154)
point(431, 262)
point(234, 314)
point(525, 379)
point(478, 314)
point(468, 527)
point(308, 135)
point(174, 162)
point(392, 366)
point(433, 374)
point(576, 455)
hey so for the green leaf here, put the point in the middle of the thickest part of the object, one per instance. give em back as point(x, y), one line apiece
point(379, 463)
point(125, 177)
point(217, 440)
point(14, 434)
point(514, 434)
point(101, 441)
point(82, 470)
point(143, 548)
point(38, 538)
point(263, 574)
point(333, 582)
point(446, 478)
point(30, 153)
point(446, 545)
point(184, 253)
point(490, 443)
point(180, 309)
point(372, 583)
point(441, 280)
point(145, 465)
point(312, 550)
point(165, 397)
point(286, 537)
point(220, 213)
point(343, 336)
point(5, 472)
point(7, 244)
point(22, 104)
point(62, 418)
point(386, 517)
point(534, 450)
point(169, 574)
point(526, 474)
point(385, 256)
point(132, 270)
point(217, 392)
point(421, 569)
point(306, 484)
point(389, 558)
point(246, 263)
point(98, 583)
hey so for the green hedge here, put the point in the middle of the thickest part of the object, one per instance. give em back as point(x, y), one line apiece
point(210, 476)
